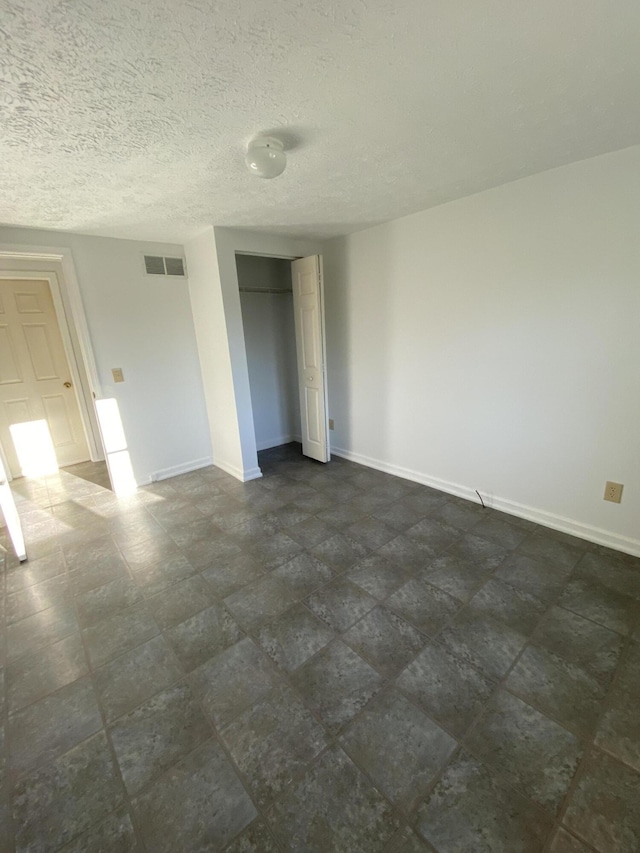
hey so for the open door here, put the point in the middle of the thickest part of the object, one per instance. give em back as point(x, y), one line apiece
point(308, 308)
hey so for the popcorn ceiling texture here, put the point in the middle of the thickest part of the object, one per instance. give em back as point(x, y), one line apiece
point(130, 117)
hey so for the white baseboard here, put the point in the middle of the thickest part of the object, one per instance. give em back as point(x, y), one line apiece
point(184, 468)
point(539, 516)
point(243, 475)
point(276, 442)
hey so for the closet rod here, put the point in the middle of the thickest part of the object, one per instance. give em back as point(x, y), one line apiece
point(263, 290)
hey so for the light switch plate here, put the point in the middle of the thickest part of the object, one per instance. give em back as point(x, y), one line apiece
point(118, 375)
point(330, 423)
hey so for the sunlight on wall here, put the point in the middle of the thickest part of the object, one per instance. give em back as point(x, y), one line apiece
point(11, 517)
point(33, 444)
point(115, 446)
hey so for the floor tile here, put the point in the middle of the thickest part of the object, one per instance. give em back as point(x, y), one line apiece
point(336, 684)
point(460, 577)
point(118, 634)
point(333, 807)
point(272, 741)
point(460, 513)
point(605, 606)
point(378, 576)
point(233, 680)
point(33, 676)
point(34, 572)
point(260, 602)
point(310, 532)
point(544, 580)
point(97, 573)
point(293, 637)
point(619, 730)
point(135, 676)
point(558, 688)
point(47, 728)
point(106, 600)
point(303, 575)
point(611, 571)
point(405, 554)
point(424, 605)
point(209, 552)
point(509, 605)
point(450, 690)
point(40, 630)
point(198, 805)
point(432, 535)
point(339, 552)
point(564, 842)
point(156, 577)
point(603, 810)
point(113, 835)
point(274, 550)
point(500, 531)
point(180, 601)
point(407, 842)
point(539, 756)
point(399, 747)
point(229, 575)
point(370, 532)
point(203, 635)
point(340, 603)
point(48, 593)
point(148, 740)
point(385, 640)
point(471, 810)
point(397, 515)
point(341, 515)
point(62, 799)
point(548, 549)
point(479, 549)
point(256, 838)
point(486, 644)
point(580, 641)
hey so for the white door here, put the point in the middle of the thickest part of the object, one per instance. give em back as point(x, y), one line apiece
point(38, 405)
point(308, 308)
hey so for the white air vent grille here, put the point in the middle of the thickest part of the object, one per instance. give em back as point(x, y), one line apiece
point(157, 265)
point(174, 266)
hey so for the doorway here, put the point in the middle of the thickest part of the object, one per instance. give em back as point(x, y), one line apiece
point(283, 325)
point(48, 380)
point(41, 428)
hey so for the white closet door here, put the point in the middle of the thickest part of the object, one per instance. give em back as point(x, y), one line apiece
point(308, 307)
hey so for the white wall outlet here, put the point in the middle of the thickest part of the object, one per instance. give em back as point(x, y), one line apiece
point(613, 492)
point(330, 423)
point(118, 375)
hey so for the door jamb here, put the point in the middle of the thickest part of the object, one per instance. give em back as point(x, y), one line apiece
point(67, 300)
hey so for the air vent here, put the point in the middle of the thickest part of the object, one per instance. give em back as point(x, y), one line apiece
point(156, 265)
point(174, 266)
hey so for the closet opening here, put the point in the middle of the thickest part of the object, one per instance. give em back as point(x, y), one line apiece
point(266, 300)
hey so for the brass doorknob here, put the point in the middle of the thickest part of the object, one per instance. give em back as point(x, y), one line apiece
point(67, 384)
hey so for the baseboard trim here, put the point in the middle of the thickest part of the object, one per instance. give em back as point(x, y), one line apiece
point(243, 475)
point(275, 442)
point(539, 516)
point(183, 468)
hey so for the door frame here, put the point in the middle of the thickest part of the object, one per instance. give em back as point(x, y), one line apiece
point(58, 271)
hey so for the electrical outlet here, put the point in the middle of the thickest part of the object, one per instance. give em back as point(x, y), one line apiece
point(330, 423)
point(118, 375)
point(613, 492)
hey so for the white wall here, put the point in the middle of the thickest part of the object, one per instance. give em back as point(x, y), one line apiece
point(493, 343)
point(270, 342)
point(142, 324)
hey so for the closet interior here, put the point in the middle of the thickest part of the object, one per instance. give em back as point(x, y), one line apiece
point(266, 299)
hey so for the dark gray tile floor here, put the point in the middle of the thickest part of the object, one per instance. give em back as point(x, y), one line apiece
point(327, 659)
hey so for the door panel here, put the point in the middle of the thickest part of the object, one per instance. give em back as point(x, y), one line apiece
point(35, 380)
point(308, 307)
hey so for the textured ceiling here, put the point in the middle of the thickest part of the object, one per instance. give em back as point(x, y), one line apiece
point(130, 117)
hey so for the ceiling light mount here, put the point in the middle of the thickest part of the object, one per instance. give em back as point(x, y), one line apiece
point(265, 157)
